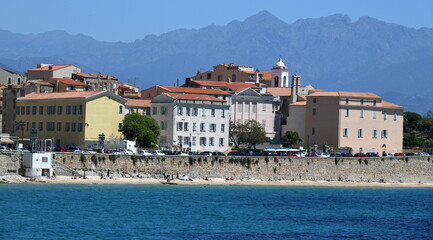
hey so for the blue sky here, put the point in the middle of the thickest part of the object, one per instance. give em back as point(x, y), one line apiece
point(128, 20)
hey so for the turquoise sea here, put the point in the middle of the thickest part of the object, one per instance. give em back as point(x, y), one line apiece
point(213, 212)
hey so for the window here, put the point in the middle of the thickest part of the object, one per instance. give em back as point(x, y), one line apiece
point(34, 110)
point(41, 110)
point(179, 140)
point(80, 127)
point(194, 141)
point(154, 111)
point(44, 159)
point(59, 110)
point(361, 113)
point(263, 124)
point(345, 132)
point(67, 127)
point(211, 141)
point(264, 107)
point(179, 111)
point(120, 109)
point(247, 107)
point(384, 115)
point(202, 127)
point(68, 109)
point(314, 100)
point(314, 111)
point(374, 102)
point(212, 127)
point(194, 127)
point(346, 114)
point(179, 126)
point(223, 113)
point(209, 76)
point(188, 111)
point(33, 125)
point(202, 141)
point(41, 126)
point(374, 114)
point(163, 110)
point(17, 110)
point(360, 133)
point(254, 108)
point(347, 101)
point(395, 116)
point(163, 139)
point(313, 131)
point(185, 126)
point(59, 126)
point(362, 101)
point(384, 133)
point(203, 114)
point(195, 112)
point(223, 127)
point(233, 77)
point(22, 110)
point(75, 109)
point(221, 142)
point(212, 112)
point(74, 127)
point(374, 133)
point(186, 140)
point(239, 107)
point(28, 110)
point(163, 125)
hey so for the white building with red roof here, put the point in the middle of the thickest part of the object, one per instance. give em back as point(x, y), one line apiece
point(192, 122)
point(46, 71)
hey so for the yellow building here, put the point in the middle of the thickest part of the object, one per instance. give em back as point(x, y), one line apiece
point(73, 118)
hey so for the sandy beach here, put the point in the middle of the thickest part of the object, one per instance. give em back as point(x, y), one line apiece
point(214, 181)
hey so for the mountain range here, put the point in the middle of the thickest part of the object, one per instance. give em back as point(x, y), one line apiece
point(331, 53)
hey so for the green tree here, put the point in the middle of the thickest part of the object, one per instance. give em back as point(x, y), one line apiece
point(291, 138)
point(142, 129)
point(252, 133)
point(235, 133)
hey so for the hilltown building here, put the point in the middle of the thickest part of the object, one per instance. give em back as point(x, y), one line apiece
point(46, 71)
point(98, 82)
point(353, 121)
point(192, 122)
point(71, 118)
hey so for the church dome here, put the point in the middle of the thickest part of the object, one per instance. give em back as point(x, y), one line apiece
point(280, 64)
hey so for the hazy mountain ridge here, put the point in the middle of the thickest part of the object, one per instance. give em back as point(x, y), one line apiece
point(332, 53)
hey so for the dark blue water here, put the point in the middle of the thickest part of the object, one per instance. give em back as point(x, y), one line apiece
point(213, 212)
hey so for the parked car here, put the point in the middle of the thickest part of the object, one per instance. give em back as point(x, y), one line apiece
point(193, 153)
point(347, 155)
point(180, 153)
point(4, 148)
point(236, 153)
point(399, 154)
point(337, 154)
point(423, 154)
point(311, 155)
point(411, 154)
point(89, 150)
point(144, 153)
point(360, 155)
point(158, 153)
point(387, 154)
point(218, 154)
point(168, 152)
point(372, 154)
point(324, 154)
point(206, 153)
point(75, 150)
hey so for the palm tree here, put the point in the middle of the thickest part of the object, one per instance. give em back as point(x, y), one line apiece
point(291, 138)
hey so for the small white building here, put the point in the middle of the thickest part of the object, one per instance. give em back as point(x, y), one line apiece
point(37, 164)
point(192, 122)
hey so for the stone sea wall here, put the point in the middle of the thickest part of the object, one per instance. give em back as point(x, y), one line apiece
point(392, 169)
point(10, 162)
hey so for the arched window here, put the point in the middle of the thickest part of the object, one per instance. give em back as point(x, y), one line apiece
point(285, 82)
point(276, 80)
point(219, 78)
point(233, 77)
point(9, 80)
point(19, 80)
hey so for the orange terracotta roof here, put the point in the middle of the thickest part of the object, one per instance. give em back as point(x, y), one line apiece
point(280, 91)
point(197, 97)
point(40, 82)
point(69, 81)
point(234, 86)
point(345, 94)
point(302, 97)
point(54, 67)
point(299, 103)
point(94, 75)
point(138, 102)
point(59, 95)
point(390, 105)
point(195, 90)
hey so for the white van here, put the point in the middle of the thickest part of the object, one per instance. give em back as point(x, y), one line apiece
point(144, 153)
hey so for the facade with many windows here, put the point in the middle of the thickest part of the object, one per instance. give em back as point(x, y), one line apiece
point(192, 122)
point(362, 122)
point(72, 119)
